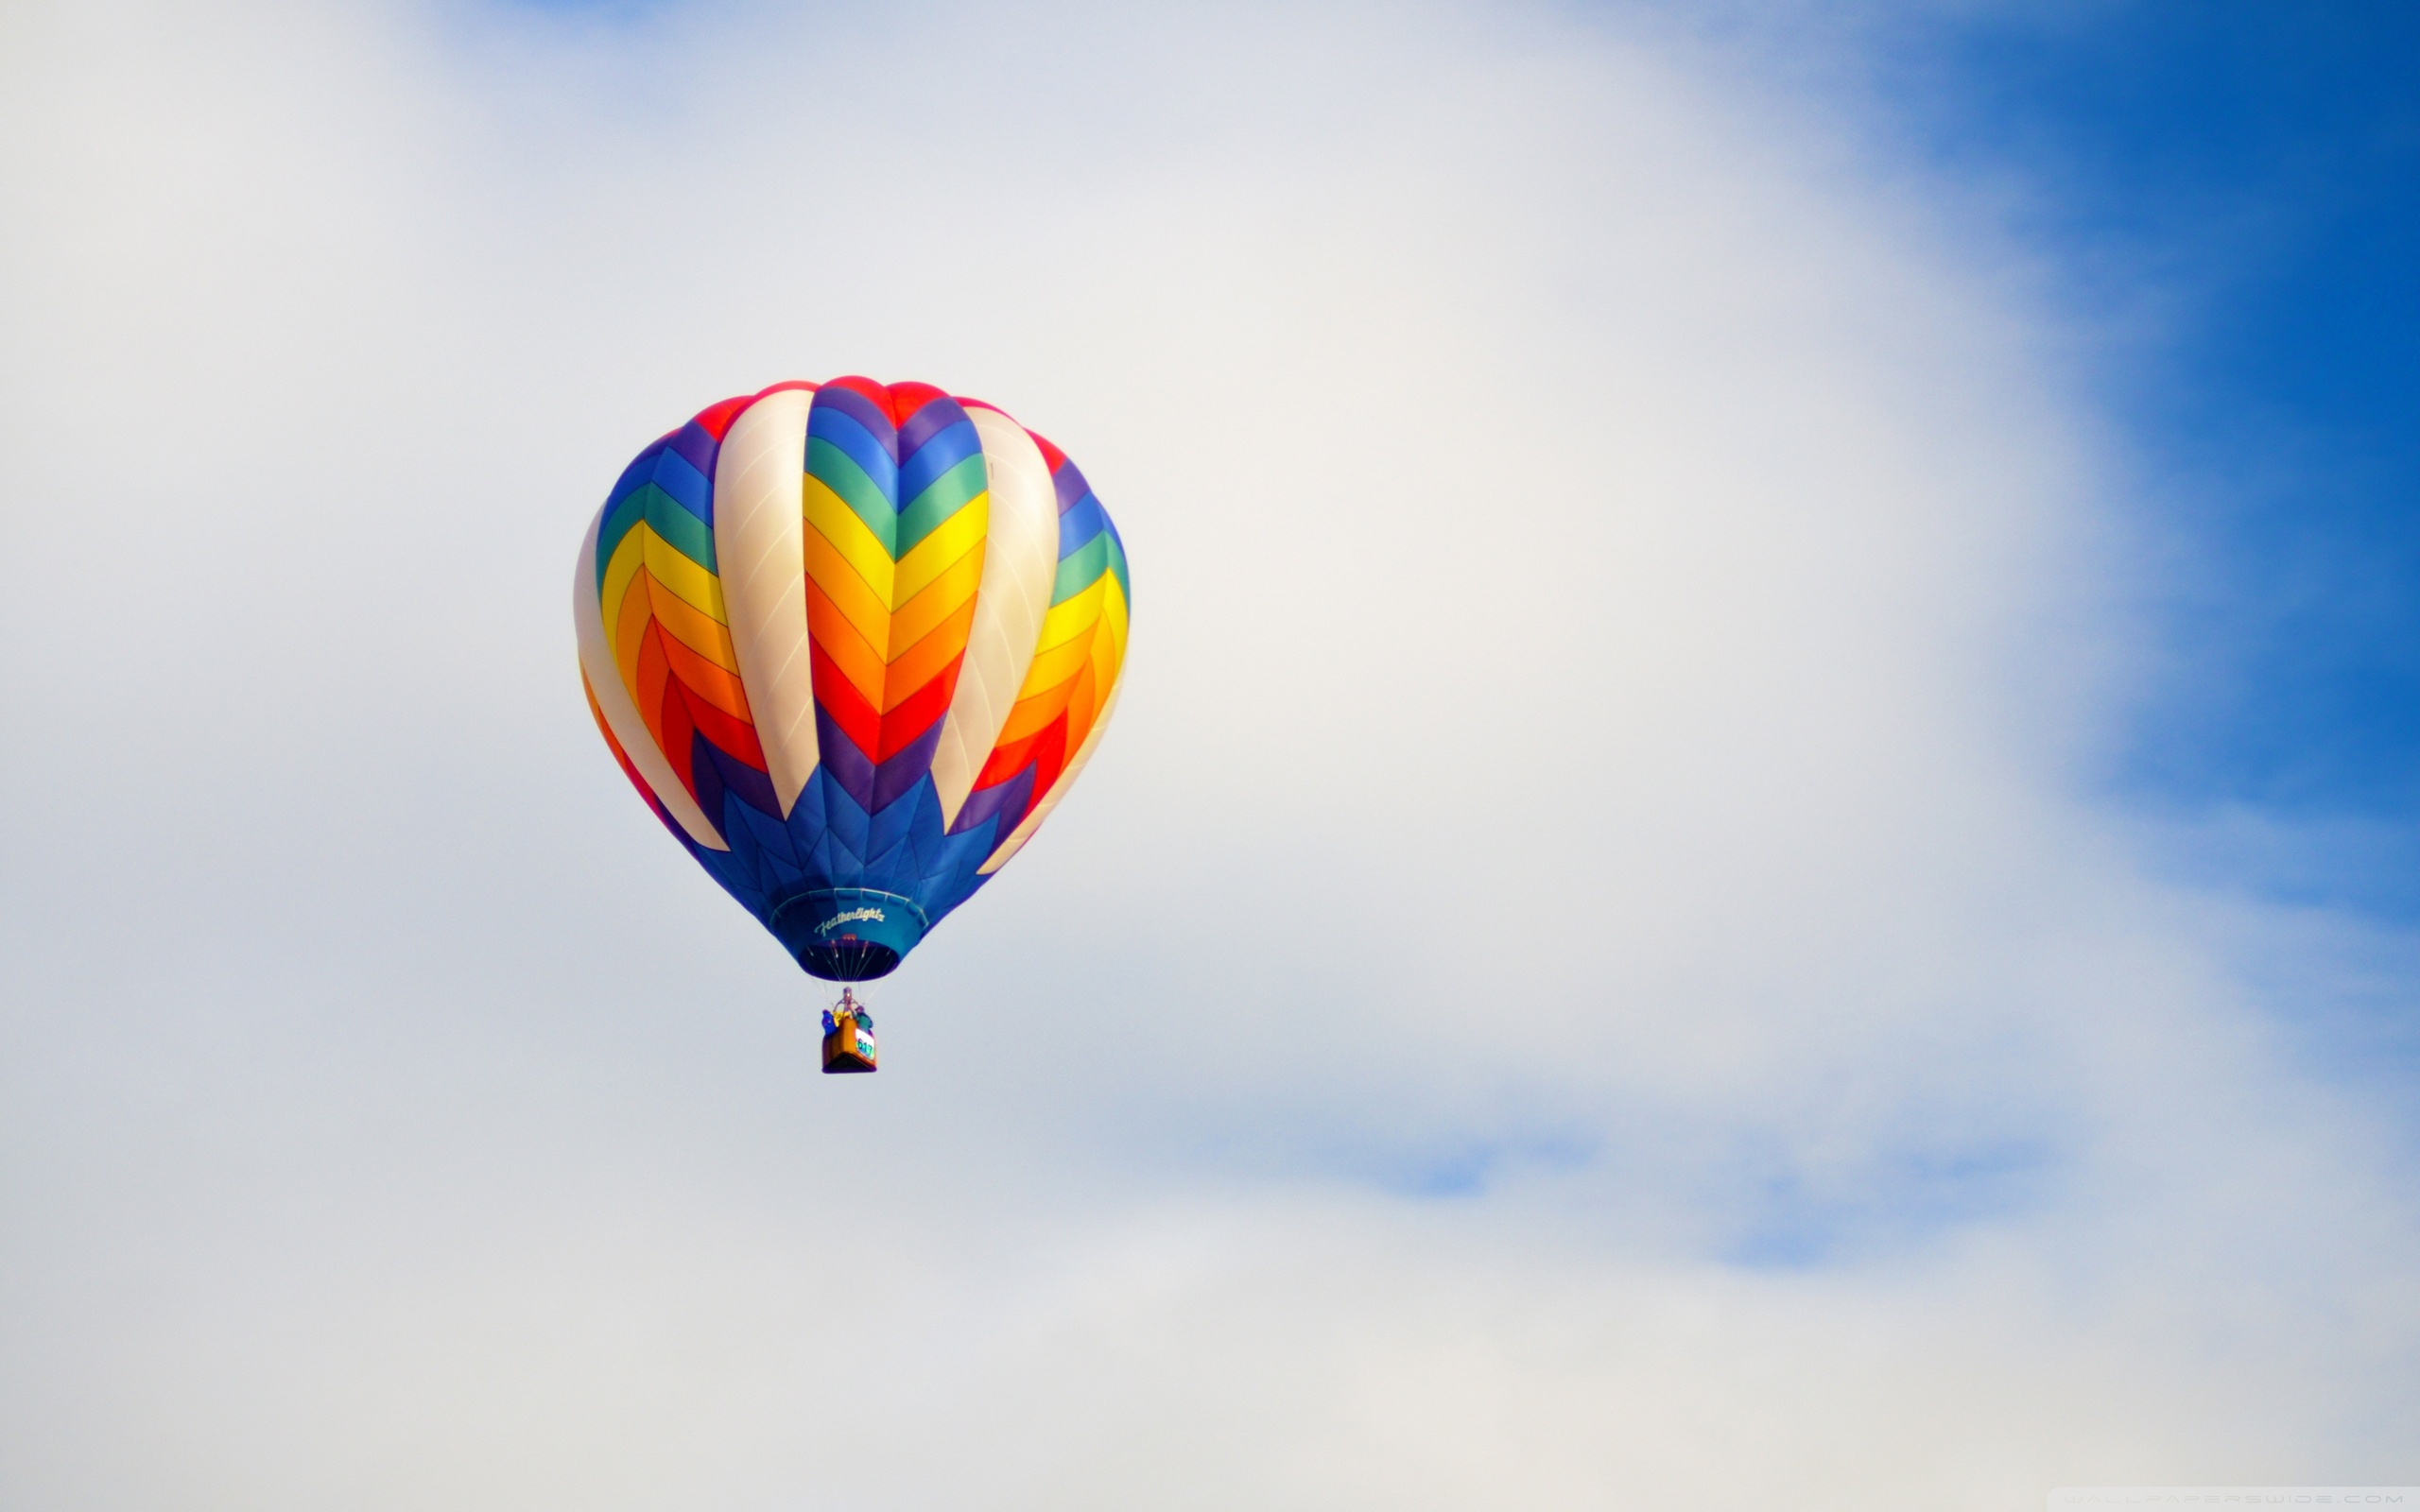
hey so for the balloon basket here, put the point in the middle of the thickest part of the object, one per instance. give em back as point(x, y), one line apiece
point(847, 1050)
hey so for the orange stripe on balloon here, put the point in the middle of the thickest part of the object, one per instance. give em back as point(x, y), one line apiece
point(630, 627)
point(927, 657)
point(1056, 664)
point(1085, 704)
point(1037, 710)
point(692, 627)
point(937, 601)
point(855, 598)
point(650, 677)
point(1008, 758)
point(1082, 704)
point(839, 638)
point(916, 713)
point(708, 682)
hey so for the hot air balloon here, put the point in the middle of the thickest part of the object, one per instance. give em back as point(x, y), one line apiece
point(850, 641)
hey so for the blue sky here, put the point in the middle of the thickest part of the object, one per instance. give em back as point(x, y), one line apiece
point(2233, 191)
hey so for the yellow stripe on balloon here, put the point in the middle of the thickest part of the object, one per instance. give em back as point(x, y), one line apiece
point(1112, 620)
point(1048, 690)
point(1059, 663)
point(829, 516)
point(630, 621)
point(1071, 618)
point(667, 565)
point(934, 554)
point(941, 598)
point(710, 639)
point(629, 555)
point(1086, 632)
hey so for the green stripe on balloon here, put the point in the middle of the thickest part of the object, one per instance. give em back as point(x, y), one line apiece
point(838, 470)
point(1081, 569)
point(947, 494)
point(680, 529)
point(625, 518)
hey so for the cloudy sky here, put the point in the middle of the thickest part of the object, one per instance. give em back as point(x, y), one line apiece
point(1759, 853)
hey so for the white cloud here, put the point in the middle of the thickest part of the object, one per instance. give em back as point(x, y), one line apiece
point(1580, 971)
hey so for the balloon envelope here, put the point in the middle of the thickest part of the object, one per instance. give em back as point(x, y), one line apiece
point(852, 643)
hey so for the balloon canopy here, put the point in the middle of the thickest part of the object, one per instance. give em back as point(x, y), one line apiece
point(852, 641)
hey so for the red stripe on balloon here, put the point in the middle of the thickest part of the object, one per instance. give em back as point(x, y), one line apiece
point(907, 721)
point(734, 738)
point(714, 419)
point(843, 704)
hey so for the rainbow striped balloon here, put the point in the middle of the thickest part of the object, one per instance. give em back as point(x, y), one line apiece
point(852, 641)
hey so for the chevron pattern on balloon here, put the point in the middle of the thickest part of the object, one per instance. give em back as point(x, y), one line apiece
point(661, 602)
point(895, 494)
point(1075, 669)
point(895, 500)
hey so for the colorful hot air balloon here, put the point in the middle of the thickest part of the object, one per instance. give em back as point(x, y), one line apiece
point(850, 642)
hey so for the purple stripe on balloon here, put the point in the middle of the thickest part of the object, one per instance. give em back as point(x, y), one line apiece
point(901, 773)
point(947, 448)
point(851, 771)
point(928, 423)
point(1009, 798)
point(865, 412)
point(704, 782)
point(1070, 485)
point(746, 782)
point(695, 447)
